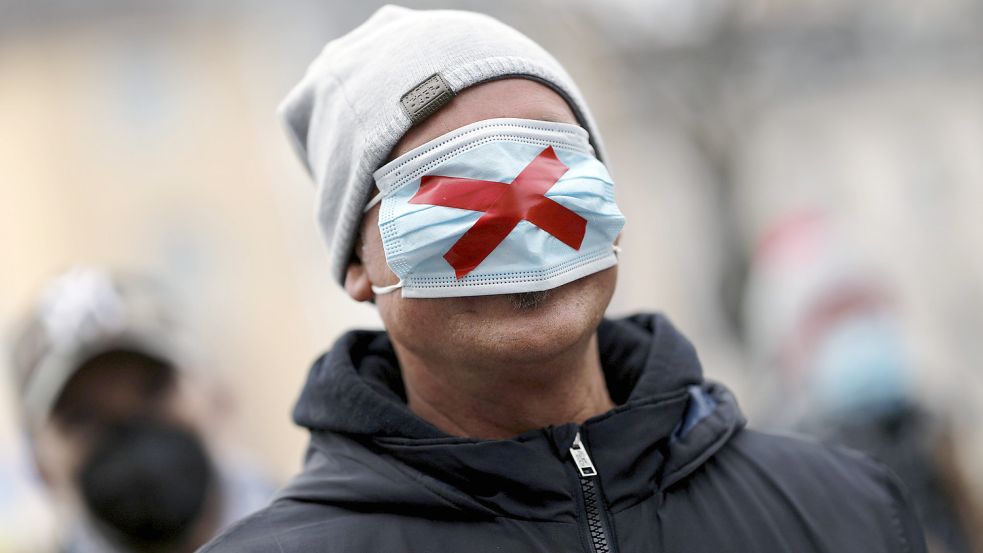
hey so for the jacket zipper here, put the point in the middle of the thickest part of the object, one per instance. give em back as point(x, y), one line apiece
point(593, 504)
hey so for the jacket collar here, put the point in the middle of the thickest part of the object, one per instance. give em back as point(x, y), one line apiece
point(355, 393)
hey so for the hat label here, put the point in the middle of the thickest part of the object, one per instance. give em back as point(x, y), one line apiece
point(426, 98)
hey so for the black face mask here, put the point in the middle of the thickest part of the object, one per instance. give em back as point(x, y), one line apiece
point(147, 482)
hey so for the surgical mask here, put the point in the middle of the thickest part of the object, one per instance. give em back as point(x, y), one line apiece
point(146, 483)
point(861, 365)
point(497, 207)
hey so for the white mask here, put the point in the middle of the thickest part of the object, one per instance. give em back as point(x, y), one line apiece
point(497, 207)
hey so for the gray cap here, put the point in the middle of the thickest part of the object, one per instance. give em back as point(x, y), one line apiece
point(367, 88)
point(82, 313)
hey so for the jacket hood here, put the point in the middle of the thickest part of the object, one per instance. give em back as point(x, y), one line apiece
point(369, 451)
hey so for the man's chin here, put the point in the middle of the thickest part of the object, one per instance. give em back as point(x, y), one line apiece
point(521, 326)
point(529, 326)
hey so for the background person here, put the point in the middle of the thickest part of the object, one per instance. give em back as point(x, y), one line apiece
point(833, 361)
point(116, 426)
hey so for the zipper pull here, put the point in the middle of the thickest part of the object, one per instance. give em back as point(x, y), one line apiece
point(580, 457)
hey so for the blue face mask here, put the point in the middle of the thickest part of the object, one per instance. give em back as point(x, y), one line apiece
point(862, 365)
point(497, 207)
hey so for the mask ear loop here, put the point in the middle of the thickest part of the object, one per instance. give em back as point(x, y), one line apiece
point(376, 199)
point(379, 290)
point(616, 248)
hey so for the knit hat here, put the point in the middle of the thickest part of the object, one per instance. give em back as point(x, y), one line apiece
point(367, 88)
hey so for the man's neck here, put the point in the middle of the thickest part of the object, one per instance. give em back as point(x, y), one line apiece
point(498, 400)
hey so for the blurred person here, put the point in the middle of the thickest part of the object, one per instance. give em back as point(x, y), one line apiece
point(26, 521)
point(829, 345)
point(117, 429)
point(461, 190)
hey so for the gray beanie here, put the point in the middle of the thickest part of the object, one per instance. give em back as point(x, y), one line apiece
point(367, 88)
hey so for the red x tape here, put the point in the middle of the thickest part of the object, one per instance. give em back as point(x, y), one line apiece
point(504, 205)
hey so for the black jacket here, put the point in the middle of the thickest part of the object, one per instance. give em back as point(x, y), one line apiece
point(675, 471)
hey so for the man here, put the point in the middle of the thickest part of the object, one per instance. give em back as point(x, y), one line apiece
point(115, 430)
point(499, 411)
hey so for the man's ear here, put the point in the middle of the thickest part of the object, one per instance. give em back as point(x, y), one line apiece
point(357, 282)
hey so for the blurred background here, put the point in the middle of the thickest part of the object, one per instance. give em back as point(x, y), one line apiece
point(802, 180)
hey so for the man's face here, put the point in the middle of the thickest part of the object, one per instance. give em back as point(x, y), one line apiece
point(521, 327)
point(109, 389)
point(123, 433)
